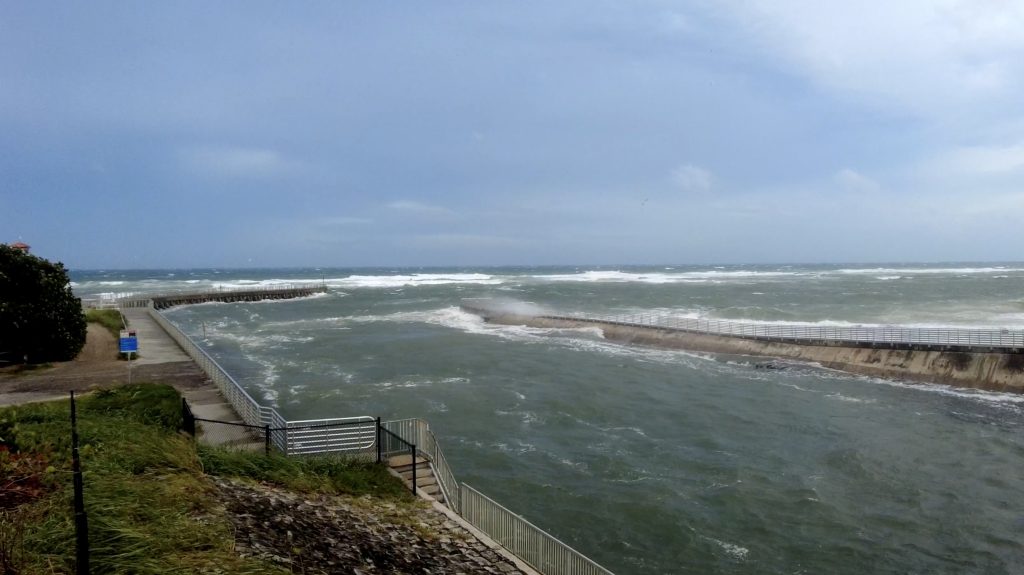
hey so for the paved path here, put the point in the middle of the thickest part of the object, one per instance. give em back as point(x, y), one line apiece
point(155, 346)
point(206, 401)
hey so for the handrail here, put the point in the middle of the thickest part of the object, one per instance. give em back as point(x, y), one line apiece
point(540, 549)
point(308, 436)
point(247, 407)
point(314, 436)
point(417, 431)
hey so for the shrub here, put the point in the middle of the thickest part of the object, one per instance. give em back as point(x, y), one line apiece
point(41, 320)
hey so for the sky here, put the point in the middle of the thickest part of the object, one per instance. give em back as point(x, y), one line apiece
point(269, 134)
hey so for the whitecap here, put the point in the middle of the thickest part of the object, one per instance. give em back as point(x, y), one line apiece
point(413, 280)
point(841, 397)
point(929, 270)
point(602, 276)
point(737, 552)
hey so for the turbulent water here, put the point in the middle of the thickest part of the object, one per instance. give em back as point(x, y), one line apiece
point(647, 460)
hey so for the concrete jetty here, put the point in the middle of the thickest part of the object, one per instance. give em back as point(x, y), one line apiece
point(980, 366)
point(206, 401)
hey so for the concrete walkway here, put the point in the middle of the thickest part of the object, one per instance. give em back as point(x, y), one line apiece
point(155, 346)
point(206, 401)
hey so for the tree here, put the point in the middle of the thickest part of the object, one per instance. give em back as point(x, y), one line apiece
point(40, 318)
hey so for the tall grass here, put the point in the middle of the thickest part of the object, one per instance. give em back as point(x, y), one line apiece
point(150, 505)
point(108, 318)
point(331, 475)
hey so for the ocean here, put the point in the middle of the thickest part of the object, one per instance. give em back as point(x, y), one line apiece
point(651, 460)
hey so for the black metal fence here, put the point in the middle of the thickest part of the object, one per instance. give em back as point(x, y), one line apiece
point(390, 445)
point(81, 520)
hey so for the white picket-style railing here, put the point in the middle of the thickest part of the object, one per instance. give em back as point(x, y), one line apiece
point(541, 550)
point(857, 335)
point(359, 435)
point(417, 432)
point(313, 436)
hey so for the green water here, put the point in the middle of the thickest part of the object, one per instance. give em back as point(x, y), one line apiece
point(655, 461)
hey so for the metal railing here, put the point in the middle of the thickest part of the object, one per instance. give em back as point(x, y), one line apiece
point(247, 408)
point(857, 335)
point(417, 431)
point(312, 436)
point(364, 435)
point(100, 303)
point(390, 444)
point(541, 550)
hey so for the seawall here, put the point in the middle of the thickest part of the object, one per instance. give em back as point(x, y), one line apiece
point(974, 369)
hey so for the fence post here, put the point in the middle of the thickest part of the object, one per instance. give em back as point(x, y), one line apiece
point(266, 439)
point(378, 440)
point(188, 420)
point(81, 521)
point(412, 450)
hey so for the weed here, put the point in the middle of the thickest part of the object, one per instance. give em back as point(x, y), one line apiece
point(108, 318)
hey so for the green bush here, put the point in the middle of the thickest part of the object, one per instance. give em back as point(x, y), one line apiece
point(41, 320)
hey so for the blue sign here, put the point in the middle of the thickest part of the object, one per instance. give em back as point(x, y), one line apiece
point(129, 344)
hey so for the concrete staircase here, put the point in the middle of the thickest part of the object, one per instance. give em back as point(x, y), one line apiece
point(207, 403)
point(425, 479)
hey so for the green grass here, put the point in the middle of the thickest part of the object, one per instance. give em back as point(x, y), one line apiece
point(150, 504)
point(108, 318)
point(330, 475)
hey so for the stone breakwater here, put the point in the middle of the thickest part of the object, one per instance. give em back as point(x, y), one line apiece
point(982, 370)
point(309, 533)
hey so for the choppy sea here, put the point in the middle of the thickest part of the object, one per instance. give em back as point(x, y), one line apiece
point(649, 460)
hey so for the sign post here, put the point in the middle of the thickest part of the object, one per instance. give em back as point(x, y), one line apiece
point(129, 344)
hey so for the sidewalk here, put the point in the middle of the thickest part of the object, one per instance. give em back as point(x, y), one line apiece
point(206, 402)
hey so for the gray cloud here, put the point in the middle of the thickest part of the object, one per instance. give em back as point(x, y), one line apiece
point(406, 133)
point(236, 162)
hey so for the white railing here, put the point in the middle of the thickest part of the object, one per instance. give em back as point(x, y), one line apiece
point(307, 437)
point(417, 432)
point(986, 338)
point(251, 412)
point(530, 543)
point(358, 435)
point(99, 303)
point(346, 434)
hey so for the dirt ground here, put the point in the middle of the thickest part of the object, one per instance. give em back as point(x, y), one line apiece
point(95, 367)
